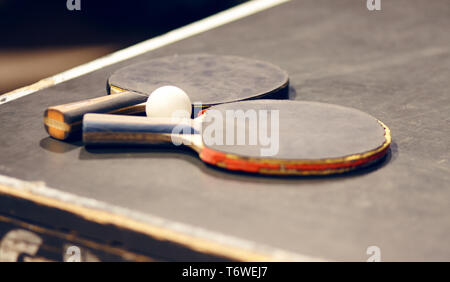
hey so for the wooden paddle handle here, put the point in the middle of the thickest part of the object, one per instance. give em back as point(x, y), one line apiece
point(64, 121)
point(104, 129)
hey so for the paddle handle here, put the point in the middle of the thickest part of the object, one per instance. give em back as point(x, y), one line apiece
point(105, 129)
point(64, 121)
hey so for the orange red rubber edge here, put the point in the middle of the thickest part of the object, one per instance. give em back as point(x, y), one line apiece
point(234, 163)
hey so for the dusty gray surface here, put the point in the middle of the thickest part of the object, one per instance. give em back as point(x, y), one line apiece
point(393, 64)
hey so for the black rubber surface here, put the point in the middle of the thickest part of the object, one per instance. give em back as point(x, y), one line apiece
point(300, 131)
point(208, 79)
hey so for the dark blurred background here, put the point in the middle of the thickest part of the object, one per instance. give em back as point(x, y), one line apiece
point(42, 38)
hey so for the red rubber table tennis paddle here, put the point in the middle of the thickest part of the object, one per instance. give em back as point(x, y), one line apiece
point(313, 138)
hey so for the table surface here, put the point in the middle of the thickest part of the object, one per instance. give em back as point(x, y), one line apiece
point(393, 64)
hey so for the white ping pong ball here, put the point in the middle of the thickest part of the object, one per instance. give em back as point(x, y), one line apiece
point(168, 101)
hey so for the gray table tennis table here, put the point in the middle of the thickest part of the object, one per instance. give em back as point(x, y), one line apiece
point(165, 204)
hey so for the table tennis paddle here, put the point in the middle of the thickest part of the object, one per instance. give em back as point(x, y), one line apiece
point(208, 79)
point(314, 138)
